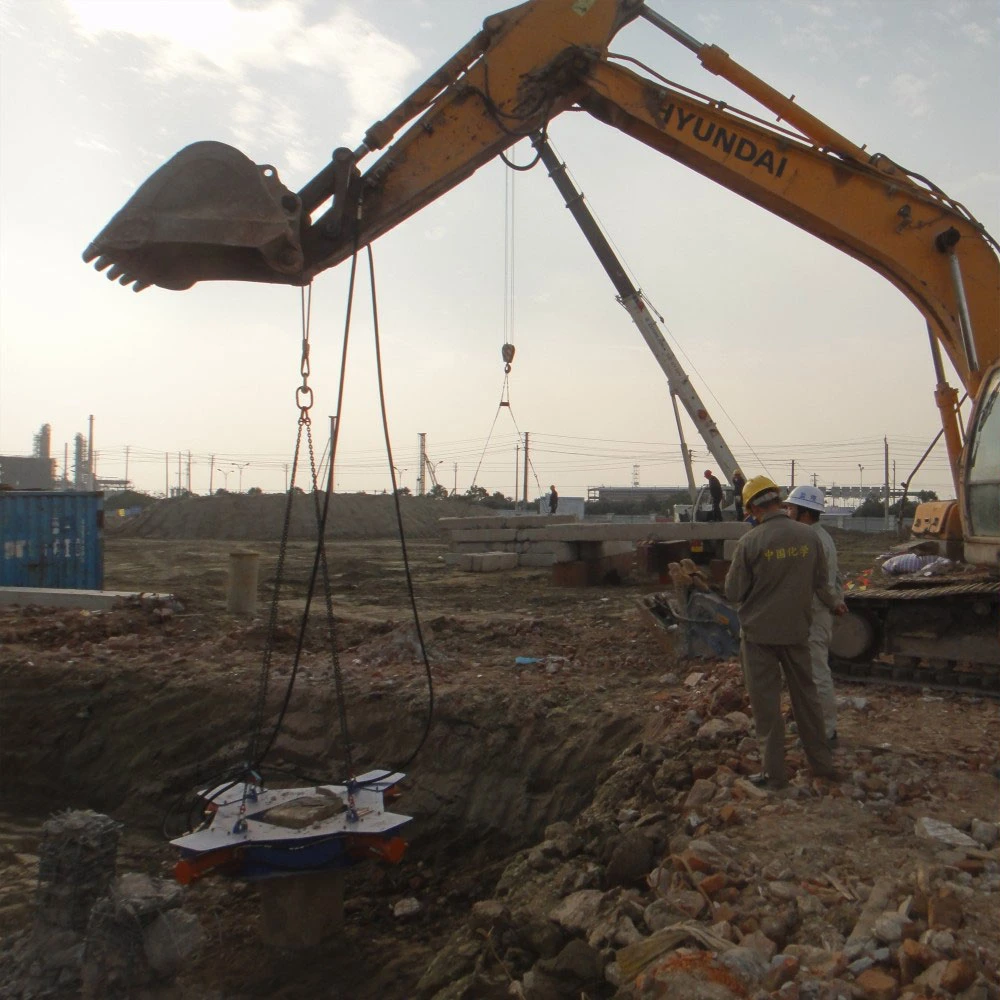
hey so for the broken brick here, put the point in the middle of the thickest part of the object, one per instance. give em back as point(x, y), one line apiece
point(730, 814)
point(711, 884)
point(877, 985)
point(959, 975)
point(944, 911)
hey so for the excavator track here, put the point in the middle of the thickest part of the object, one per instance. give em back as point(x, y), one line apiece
point(930, 633)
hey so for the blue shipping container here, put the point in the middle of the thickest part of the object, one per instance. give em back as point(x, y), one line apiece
point(51, 539)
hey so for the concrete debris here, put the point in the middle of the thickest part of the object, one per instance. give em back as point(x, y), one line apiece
point(986, 833)
point(945, 833)
point(408, 907)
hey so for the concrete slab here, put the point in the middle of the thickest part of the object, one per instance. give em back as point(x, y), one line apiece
point(526, 521)
point(492, 562)
point(649, 530)
point(532, 558)
point(469, 523)
point(482, 535)
point(86, 600)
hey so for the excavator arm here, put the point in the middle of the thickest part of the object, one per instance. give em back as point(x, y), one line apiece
point(211, 213)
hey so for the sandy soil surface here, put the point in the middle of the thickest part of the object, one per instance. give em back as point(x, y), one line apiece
point(127, 712)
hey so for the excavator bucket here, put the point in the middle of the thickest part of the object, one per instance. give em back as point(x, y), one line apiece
point(208, 213)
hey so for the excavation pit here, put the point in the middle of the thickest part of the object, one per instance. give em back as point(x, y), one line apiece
point(570, 773)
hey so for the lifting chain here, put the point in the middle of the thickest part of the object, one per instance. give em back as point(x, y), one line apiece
point(304, 393)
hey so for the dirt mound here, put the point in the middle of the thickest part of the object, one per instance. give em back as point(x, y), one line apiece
point(260, 517)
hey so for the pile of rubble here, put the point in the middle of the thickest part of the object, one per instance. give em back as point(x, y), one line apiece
point(685, 881)
point(95, 935)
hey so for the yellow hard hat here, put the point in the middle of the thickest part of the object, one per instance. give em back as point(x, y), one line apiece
point(757, 488)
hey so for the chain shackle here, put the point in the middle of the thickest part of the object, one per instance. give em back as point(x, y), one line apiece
point(304, 398)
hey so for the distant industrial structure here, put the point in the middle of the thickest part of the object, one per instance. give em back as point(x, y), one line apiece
point(37, 471)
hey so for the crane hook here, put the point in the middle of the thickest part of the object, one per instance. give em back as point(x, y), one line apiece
point(507, 353)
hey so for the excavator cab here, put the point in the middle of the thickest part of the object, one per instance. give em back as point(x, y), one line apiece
point(208, 213)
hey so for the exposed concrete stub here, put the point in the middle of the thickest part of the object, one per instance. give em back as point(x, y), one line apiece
point(301, 911)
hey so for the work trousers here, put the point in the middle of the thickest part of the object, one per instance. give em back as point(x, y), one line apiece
point(763, 667)
point(820, 634)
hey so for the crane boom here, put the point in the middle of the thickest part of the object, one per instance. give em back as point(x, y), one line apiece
point(631, 298)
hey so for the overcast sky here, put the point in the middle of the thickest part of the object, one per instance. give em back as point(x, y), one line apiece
point(800, 352)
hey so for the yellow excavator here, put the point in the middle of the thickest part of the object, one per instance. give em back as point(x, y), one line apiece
point(211, 213)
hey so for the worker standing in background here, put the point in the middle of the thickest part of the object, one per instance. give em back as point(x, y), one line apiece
point(553, 499)
point(805, 504)
point(739, 481)
point(715, 491)
point(776, 569)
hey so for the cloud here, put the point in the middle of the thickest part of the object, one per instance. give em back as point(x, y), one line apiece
point(206, 38)
point(94, 144)
point(863, 81)
point(910, 93)
point(976, 33)
point(343, 55)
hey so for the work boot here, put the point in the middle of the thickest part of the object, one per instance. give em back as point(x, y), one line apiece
point(764, 780)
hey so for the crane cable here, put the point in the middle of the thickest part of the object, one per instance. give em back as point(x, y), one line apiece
point(250, 771)
point(507, 350)
point(320, 556)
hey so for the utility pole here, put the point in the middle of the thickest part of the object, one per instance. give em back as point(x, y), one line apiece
point(885, 441)
point(454, 489)
point(635, 475)
point(166, 478)
point(211, 478)
point(793, 473)
point(178, 473)
point(189, 472)
point(66, 465)
point(91, 464)
point(241, 467)
point(517, 472)
point(126, 466)
point(286, 477)
point(422, 467)
point(525, 470)
point(815, 478)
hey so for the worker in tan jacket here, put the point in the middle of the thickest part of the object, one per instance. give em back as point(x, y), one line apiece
point(776, 569)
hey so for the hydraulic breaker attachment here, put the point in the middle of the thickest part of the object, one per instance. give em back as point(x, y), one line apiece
point(208, 213)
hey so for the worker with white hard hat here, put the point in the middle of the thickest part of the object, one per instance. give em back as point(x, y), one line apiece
point(776, 569)
point(805, 504)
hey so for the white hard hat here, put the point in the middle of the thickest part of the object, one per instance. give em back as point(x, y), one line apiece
point(807, 496)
